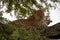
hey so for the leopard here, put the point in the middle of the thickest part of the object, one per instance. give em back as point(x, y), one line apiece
point(37, 19)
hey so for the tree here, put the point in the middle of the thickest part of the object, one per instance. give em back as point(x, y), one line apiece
point(22, 8)
point(52, 31)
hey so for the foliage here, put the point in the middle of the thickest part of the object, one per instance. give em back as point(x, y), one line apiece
point(25, 7)
point(5, 31)
point(10, 33)
point(21, 8)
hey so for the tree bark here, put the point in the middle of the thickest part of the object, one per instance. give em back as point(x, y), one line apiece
point(52, 32)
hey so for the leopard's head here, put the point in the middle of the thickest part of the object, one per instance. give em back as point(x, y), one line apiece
point(39, 15)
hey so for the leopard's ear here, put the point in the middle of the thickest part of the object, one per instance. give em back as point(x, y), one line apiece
point(43, 9)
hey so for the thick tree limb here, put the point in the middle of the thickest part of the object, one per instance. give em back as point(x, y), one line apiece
point(52, 32)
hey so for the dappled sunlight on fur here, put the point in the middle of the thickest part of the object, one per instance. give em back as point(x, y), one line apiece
point(36, 20)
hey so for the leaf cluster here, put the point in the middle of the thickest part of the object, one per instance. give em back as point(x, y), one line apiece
point(8, 32)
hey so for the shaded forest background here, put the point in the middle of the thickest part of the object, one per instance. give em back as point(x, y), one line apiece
point(21, 9)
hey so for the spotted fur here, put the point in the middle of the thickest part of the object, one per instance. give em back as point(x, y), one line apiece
point(36, 20)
